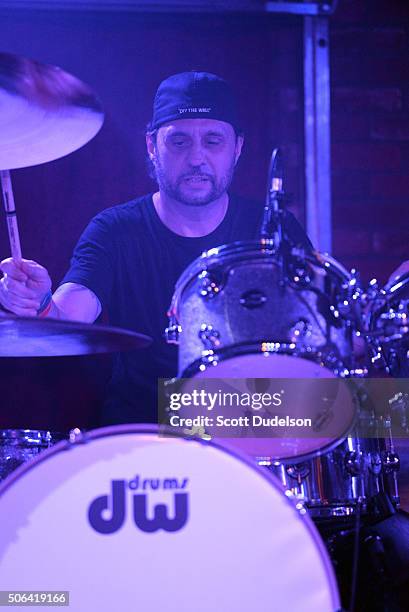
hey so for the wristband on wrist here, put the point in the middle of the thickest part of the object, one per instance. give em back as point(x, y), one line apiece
point(45, 305)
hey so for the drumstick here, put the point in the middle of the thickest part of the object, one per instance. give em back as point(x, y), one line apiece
point(11, 215)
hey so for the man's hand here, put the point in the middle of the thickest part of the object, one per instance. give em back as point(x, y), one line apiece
point(23, 287)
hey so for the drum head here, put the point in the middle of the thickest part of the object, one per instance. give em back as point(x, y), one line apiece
point(284, 446)
point(131, 521)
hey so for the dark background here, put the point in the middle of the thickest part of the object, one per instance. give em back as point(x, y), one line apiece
point(124, 56)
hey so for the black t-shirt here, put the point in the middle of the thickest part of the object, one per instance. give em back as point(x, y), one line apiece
point(131, 261)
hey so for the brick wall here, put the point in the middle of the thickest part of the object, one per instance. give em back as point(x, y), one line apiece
point(370, 134)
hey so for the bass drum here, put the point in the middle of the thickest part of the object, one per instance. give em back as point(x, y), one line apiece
point(125, 518)
point(237, 313)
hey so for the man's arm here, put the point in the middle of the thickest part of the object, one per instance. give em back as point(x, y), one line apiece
point(26, 283)
point(73, 302)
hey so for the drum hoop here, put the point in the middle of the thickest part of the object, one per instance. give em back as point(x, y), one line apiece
point(223, 253)
point(105, 432)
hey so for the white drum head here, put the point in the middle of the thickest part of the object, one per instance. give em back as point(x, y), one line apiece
point(273, 366)
point(217, 533)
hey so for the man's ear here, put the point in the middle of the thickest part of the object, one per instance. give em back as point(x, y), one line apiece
point(239, 146)
point(150, 146)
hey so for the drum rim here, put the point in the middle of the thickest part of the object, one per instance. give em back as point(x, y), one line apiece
point(146, 428)
point(224, 251)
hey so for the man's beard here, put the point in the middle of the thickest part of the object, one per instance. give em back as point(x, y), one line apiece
point(175, 189)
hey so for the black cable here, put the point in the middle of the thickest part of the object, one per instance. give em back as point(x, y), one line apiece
point(355, 556)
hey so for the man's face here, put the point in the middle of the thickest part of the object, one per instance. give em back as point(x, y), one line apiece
point(194, 159)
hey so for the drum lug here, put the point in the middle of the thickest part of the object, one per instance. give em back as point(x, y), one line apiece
point(298, 471)
point(173, 331)
point(375, 464)
point(300, 331)
point(390, 462)
point(399, 405)
point(208, 359)
point(299, 273)
point(209, 336)
point(354, 463)
point(210, 286)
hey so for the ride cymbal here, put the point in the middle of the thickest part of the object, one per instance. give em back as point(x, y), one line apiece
point(45, 112)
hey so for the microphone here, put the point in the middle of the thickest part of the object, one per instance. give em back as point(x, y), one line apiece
point(271, 227)
point(275, 183)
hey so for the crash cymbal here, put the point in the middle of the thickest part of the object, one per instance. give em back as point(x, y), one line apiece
point(45, 112)
point(32, 337)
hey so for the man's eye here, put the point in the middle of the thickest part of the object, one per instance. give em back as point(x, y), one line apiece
point(179, 143)
point(214, 141)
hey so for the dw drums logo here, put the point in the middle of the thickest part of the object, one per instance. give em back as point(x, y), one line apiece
point(107, 513)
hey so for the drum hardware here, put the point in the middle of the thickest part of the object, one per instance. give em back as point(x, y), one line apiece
point(387, 325)
point(209, 358)
point(210, 284)
point(399, 406)
point(298, 472)
point(173, 331)
point(76, 436)
point(253, 298)
point(209, 336)
point(298, 273)
point(390, 462)
point(354, 462)
point(332, 484)
point(300, 332)
point(376, 464)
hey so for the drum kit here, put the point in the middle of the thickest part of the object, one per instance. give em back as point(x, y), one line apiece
point(115, 515)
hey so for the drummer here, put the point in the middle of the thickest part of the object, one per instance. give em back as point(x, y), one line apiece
point(130, 256)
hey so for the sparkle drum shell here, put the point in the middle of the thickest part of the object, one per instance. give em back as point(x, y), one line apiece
point(20, 445)
point(233, 308)
point(95, 518)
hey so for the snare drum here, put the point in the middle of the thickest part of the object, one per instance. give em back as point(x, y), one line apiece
point(125, 519)
point(339, 482)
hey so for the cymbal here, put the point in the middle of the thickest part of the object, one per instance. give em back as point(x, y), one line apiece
point(32, 337)
point(45, 112)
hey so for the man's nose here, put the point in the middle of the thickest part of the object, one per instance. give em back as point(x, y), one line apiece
point(196, 155)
